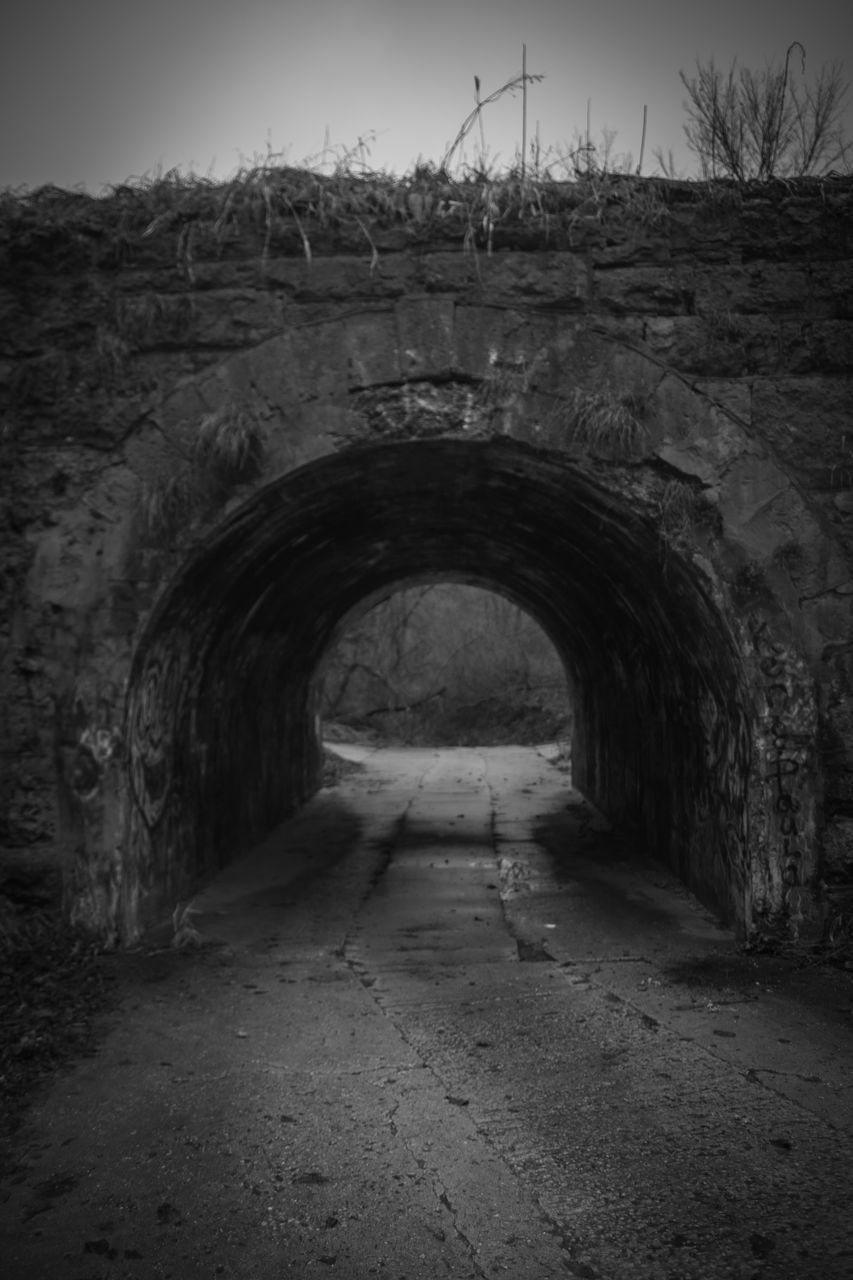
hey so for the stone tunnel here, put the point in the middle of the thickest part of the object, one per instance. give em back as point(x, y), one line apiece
point(624, 407)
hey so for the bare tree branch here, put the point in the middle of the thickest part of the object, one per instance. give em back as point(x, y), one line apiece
point(749, 124)
point(408, 706)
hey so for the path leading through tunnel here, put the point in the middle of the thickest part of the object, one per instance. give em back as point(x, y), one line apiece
point(442, 1023)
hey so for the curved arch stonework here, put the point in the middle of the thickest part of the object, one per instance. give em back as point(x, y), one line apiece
point(578, 429)
point(523, 521)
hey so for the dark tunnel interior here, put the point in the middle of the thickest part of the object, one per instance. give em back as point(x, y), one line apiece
point(225, 675)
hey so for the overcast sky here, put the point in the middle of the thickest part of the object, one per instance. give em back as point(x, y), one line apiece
point(93, 92)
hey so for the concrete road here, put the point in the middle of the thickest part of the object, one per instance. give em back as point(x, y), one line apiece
point(441, 1025)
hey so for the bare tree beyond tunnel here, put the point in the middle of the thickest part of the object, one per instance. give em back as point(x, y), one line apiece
point(449, 665)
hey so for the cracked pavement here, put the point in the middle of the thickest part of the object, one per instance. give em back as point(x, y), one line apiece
point(441, 1023)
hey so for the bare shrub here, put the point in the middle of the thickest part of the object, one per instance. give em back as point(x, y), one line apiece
point(773, 123)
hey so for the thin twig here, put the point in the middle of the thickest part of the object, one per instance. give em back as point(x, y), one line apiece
point(410, 706)
point(480, 117)
point(375, 258)
point(305, 244)
point(467, 124)
point(643, 139)
point(523, 110)
point(265, 192)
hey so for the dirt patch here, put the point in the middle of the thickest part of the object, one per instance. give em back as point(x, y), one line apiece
point(734, 971)
point(54, 987)
point(815, 985)
point(336, 768)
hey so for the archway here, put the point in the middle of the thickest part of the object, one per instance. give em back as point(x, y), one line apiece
point(444, 664)
point(222, 739)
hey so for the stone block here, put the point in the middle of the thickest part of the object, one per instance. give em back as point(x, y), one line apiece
point(707, 417)
point(559, 281)
point(639, 290)
point(235, 317)
point(838, 848)
point(370, 343)
point(425, 336)
point(478, 331)
point(305, 363)
point(271, 370)
point(228, 383)
point(490, 343)
point(306, 432)
point(766, 288)
point(800, 418)
point(185, 404)
point(759, 507)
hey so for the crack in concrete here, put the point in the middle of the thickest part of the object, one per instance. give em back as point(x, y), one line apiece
point(750, 1074)
point(438, 1188)
point(467, 1242)
point(753, 1072)
point(392, 1125)
point(440, 1191)
point(368, 976)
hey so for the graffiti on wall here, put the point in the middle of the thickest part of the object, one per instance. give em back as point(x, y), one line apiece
point(152, 716)
point(786, 737)
point(94, 749)
point(726, 762)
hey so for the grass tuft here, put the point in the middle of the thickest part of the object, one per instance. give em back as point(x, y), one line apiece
point(149, 319)
point(229, 451)
point(230, 445)
point(676, 510)
point(609, 426)
point(165, 504)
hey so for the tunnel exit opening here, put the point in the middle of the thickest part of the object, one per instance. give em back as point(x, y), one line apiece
point(444, 664)
point(222, 722)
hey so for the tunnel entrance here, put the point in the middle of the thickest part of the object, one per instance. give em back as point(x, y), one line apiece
point(448, 665)
point(223, 703)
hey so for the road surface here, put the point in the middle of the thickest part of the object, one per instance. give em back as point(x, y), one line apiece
point(441, 1025)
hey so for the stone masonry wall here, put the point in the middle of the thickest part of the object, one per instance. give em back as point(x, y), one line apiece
point(688, 347)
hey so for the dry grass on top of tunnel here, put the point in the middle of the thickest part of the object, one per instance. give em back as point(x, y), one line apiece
point(290, 209)
point(267, 206)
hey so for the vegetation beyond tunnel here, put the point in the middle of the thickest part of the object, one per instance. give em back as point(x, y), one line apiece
point(223, 715)
point(448, 665)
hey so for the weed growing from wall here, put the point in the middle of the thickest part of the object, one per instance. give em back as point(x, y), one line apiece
point(229, 452)
point(683, 513)
point(153, 319)
point(676, 511)
point(608, 425)
point(111, 357)
point(724, 326)
point(230, 446)
point(166, 504)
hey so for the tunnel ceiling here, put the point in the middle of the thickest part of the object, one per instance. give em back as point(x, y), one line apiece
point(307, 551)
